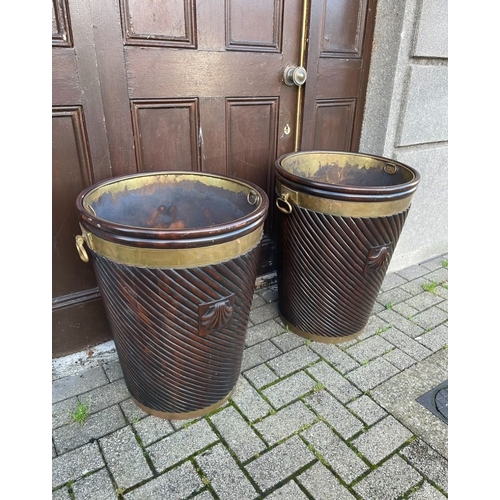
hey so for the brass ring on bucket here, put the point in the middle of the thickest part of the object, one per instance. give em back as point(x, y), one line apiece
point(284, 199)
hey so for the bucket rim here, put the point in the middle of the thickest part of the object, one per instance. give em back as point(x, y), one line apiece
point(331, 189)
point(129, 233)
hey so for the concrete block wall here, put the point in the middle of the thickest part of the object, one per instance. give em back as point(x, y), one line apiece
point(406, 115)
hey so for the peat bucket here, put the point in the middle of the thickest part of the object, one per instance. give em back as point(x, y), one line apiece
point(175, 255)
point(340, 216)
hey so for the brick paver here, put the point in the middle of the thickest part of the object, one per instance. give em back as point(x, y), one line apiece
point(176, 484)
point(389, 481)
point(225, 476)
point(306, 421)
point(280, 462)
point(239, 436)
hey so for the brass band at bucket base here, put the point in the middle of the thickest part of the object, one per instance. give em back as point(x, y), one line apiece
point(339, 208)
point(186, 415)
point(319, 338)
point(173, 258)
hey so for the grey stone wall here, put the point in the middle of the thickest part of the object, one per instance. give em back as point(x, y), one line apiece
point(406, 115)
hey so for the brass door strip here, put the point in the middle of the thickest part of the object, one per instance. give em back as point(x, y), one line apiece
point(302, 59)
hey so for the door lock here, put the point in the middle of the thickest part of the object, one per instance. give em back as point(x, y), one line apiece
point(295, 75)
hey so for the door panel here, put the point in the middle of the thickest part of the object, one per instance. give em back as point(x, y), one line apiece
point(338, 58)
point(141, 85)
point(154, 122)
point(70, 174)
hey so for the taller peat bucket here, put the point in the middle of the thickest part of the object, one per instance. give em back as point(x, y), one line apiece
point(340, 217)
point(175, 255)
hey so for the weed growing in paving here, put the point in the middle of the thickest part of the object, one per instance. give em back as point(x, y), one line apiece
point(430, 287)
point(390, 305)
point(81, 413)
point(445, 263)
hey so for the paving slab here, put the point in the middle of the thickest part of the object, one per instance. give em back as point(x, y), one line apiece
point(338, 455)
point(180, 445)
point(260, 376)
point(369, 349)
point(388, 482)
point(125, 458)
point(367, 410)
point(176, 484)
point(341, 388)
point(75, 464)
point(402, 323)
point(290, 491)
point(335, 357)
point(428, 462)
point(412, 272)
point(287, 341)
point(285, 422)
point(105, 396)
point(264, 313)
point(382, 439)
point(293, 361)
point(407, 344)
point(341, 419)
point(61, 412)
point(430, 318)
point(225, 476)
point(368, 376)
point(249, 401)
point(78, 384)
point(399, 359)
point(399, 394)
point(427, 492)
point(289, 389)
point(61, 494)
point(69, 437)
point(113, 370)
point(259, 353)
point(434, 339)
point(238, 435)
point(262, 331)
point(279, 463)
point(96, 486)
point(323, 485)
point(151, 429)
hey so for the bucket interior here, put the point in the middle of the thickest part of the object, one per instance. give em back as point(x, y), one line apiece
point(171, 201)
point(346, 169)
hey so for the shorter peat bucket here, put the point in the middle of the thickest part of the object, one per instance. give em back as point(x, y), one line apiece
point(175, 256)
point(339, 219)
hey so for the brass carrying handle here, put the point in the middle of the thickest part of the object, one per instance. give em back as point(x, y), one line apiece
point(283, 204)
point(80, 240)
point(253, 197)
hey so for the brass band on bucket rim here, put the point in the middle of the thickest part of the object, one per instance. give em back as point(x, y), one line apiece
point(319, 338)
point(342, 208)
point(183, 416)
point(174, 258)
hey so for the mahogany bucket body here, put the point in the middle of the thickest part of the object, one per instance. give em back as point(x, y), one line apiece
point(339, 219)
point(175, 256)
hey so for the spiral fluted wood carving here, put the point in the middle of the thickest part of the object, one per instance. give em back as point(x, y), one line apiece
point(331, 269)
point(169, 366)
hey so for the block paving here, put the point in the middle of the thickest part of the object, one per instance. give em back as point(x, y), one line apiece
point(306, 421)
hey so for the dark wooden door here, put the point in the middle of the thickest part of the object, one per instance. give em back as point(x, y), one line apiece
point(338, 59)
point(189, 85)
